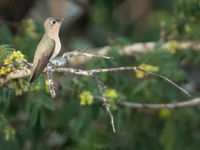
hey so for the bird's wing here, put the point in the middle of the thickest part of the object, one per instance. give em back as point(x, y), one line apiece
point(46, 53)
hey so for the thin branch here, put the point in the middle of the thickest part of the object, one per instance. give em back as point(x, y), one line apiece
point(77, 53)
point(60, 61)
point(129, 104)
point(17, 74)
point(101, 87)
point(188, 103)
point(74, 71)
point(90, 72)
point(166, 79)
point(16, 64)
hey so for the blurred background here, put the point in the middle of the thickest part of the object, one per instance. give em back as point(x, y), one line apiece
point(31, 120)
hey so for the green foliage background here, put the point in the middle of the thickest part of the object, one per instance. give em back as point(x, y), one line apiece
point(30, 119)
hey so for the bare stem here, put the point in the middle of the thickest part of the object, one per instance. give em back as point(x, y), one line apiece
point(173, 105)
point(77, 53)
point(105, 101)
point(188, 103)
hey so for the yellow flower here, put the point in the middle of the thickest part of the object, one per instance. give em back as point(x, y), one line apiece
point(86, 98)
point(111, 93)
point(140, 74)
point(16, 56)
point(173, 46)
point(5, 70)
point(164, 113)
point(7, 60)
point(9, 133)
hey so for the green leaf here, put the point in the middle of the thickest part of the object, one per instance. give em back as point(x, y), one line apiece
point(5, 98)
point(34, 115)
point(28, 105)
point(42, 118)
point(7, 129)
point(47, 102)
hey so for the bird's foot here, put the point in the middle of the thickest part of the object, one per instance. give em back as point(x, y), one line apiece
point(60, 61)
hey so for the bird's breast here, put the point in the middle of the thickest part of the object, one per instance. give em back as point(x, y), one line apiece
point(57, 48)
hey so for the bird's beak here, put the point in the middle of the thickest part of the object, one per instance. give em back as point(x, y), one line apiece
point(60, 20)
point(67, 18)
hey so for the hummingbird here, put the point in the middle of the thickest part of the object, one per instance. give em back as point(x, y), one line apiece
point(48, 47)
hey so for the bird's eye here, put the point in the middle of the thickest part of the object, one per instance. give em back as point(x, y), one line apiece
point(54, 22)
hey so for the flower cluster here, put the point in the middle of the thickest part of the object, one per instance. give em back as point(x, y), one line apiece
point(164, 113)
point(173, 46)
point(110, 93)
point(16, 56)
point(86, 98)
point(5, 70)
point(140, 74)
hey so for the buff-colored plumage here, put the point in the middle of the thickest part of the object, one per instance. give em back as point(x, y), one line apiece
point(48, 47)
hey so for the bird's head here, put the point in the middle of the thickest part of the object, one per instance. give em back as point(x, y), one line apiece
point(52, 25)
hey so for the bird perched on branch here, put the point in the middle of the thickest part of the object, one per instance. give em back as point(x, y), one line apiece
point(48, 48)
